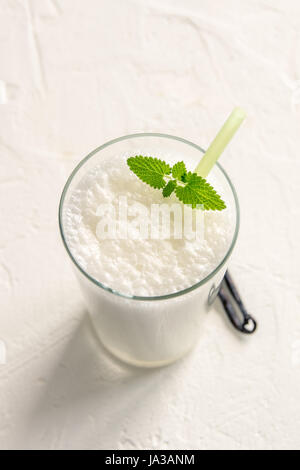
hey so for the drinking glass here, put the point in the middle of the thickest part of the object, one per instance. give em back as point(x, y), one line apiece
point(149, 331)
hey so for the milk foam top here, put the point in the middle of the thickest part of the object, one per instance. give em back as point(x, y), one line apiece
point(140, 267)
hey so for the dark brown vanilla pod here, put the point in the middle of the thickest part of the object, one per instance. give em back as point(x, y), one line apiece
point(242, 321)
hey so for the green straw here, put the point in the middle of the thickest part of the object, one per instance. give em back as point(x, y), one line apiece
point(219, 143)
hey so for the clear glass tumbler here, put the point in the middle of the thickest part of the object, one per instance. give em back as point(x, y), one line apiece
point(149, 331)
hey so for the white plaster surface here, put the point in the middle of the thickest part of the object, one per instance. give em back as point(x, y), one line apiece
point(75, 74)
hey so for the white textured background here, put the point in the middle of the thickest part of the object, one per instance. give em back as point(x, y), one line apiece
point(74, 74)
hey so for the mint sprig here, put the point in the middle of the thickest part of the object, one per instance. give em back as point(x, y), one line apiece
point(189, 187)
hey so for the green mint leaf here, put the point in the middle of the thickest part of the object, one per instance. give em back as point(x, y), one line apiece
point(179, 171)
point(167, 191)
point(189, 188)
point(198, 191)
point(150, 170)
point(190, 176)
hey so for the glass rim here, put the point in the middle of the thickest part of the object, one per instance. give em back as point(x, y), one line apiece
point(137, 297)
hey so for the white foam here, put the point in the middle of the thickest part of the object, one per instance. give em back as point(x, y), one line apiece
point(139, 267)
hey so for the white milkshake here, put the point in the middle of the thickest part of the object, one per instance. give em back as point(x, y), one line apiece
point(144, 267)
point(146, 296)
